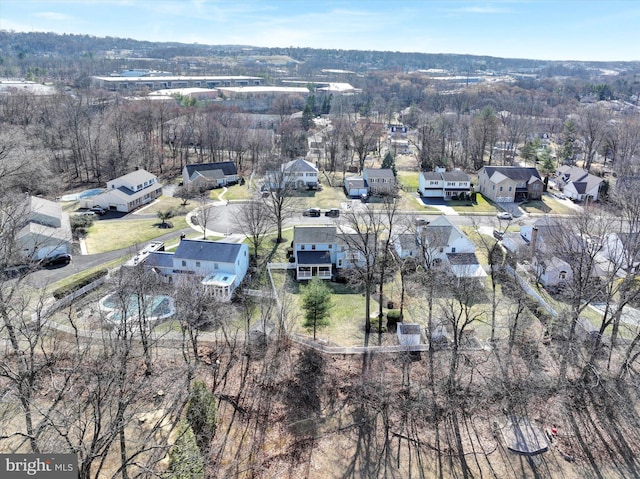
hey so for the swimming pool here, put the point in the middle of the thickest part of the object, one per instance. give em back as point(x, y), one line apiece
point(155, 307)
point(82, 195)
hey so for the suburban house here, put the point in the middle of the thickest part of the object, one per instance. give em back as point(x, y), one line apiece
point(623, 251)
point(318, 250)
point(380, 181)
point(443, 184)
point(46, 229)
point(128, 192)
point(221, 267)
point(210, 175)
point(504, 184)
point(297, 174)
point(441, 244)
point(578, 184)
point(397, 139)
point(550, 268)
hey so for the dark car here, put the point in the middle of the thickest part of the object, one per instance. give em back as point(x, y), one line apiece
point(311, 212)
point(57, 260)
point(333, 213)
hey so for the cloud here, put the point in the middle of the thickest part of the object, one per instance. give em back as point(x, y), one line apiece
point(54, 16)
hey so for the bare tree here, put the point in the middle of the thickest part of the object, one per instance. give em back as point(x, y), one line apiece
point(364, 136)
point(278, 197)
point(255, 222)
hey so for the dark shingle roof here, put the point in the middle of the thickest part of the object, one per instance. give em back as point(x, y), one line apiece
point(516, 173)
point(227, 167)
point(159, 259)
point(208, 250)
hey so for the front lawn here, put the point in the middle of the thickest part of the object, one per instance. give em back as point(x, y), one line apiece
point(481, 206)
point(110, 235)
point(547, 205)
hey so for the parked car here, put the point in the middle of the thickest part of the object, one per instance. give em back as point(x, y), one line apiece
point(421, 221)
point(497, 234)
point(505, 215)
point(561, 196)
point(312, 212)
point(86, 213)
point(333, 213)
point(56, 260)
point(99, 210)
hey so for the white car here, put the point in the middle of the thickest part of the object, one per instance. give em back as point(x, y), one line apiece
point(505, 215)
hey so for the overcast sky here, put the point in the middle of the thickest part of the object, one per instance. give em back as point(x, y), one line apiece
point(537, 29)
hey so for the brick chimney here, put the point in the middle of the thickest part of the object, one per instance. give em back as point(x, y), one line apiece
point(533, 244)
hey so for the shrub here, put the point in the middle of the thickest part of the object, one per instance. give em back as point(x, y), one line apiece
point(80, 225)
point(79, 283)
point(393, 318)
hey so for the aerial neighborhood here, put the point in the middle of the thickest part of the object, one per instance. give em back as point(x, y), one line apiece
point(211, 274)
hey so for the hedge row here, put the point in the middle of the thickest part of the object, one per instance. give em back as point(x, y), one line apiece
point(79, 283)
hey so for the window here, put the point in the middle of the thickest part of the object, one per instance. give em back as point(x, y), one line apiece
point(302, 247)
point(313, 247)
point(501, 188)
point(184, 263)
point(197, 264)
point(453, 250)
point(510, 188)
point(215, 265)
point(562, 275)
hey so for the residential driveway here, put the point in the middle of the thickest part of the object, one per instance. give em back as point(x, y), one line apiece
point(513, 208)
point(439, 204)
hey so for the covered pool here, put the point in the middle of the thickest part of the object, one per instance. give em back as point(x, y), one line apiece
point(128, 306)
point(82, 195)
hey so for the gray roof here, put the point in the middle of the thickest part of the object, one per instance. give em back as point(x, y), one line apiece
point(314, 234)
point(355, 182)
point(137, 176)
point(159, 259)
point(431, 175)
point(300, 165)
point(516, 173)
point(378, 173)
point(455, 175)
point(208, 250)
point(227, 167)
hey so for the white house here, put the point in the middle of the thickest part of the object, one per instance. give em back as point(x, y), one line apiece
point(441, 244)
point(299, 174)
point(210, 175)
point(578, 184)
point(46, 229)
point(220, 266)
point(128, 192)
point(443, 184)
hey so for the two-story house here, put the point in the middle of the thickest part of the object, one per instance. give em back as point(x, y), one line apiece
point(441, 244)
point(296, 174)
point(128, 192)
point(379, 181)
point(220, 266)
point(210, 175)
point(443, 184)
point(319, 250)
point(504, 184)
point(45, 231)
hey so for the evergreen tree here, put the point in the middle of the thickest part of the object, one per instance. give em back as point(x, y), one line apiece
point(389, 162)
point(316, 302)
point(185, 460)
point(202, 415)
